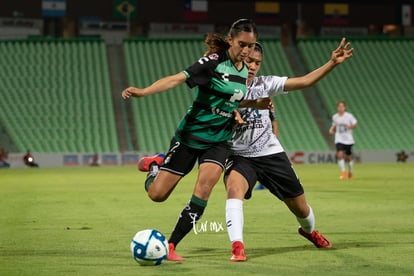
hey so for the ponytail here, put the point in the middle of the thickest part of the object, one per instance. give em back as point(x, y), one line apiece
point(215, 43)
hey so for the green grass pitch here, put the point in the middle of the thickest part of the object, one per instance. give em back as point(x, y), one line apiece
point(79, 221)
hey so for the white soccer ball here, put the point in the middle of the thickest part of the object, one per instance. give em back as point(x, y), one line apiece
point(149, 247)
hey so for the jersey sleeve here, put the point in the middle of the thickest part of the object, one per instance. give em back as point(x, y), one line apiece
point(333, 120)
point(201, 72)
point(353, 120)
point(274, 85)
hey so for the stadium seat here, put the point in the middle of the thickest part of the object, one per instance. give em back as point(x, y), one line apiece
point(376, 85)
point(57, 97)
point(157, 116)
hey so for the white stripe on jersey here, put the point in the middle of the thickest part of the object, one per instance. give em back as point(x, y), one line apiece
point(256, 138)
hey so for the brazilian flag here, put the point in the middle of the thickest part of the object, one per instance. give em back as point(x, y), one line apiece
point(125, 9)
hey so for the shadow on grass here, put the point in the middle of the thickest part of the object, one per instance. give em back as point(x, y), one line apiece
point(192, 252)
point(257, 252)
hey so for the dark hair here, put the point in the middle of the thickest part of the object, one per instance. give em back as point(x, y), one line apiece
point(258, 47)
point(242, 25)
point(341, 102)
point(216, 42)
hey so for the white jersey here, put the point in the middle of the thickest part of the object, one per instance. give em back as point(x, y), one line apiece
point(256, 138)
point(343, 135)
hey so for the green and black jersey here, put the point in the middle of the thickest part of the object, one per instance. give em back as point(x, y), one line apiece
point(220, 88)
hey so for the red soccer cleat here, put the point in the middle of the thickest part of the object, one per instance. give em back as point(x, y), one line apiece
point(343, 176)
point(172, 256)
point(350, 175)
point(238, 254)
point(144, 163)
point(316, 238)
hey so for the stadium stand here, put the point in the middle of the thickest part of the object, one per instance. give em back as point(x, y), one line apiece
point(377, 85)
point(297, 127)
point(56, 96)
point(157, 116)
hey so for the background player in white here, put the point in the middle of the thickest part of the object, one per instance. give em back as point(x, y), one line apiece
point(258, 154)
point(342, 125)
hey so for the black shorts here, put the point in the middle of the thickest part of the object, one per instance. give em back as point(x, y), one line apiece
point(346, 148)
point(180, 159)
point(275, 172)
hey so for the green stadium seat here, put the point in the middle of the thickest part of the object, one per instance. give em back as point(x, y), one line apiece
point(157, 116)
point(64, 96)
point(376, 85)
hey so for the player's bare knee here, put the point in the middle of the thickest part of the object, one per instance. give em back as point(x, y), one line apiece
point(210, 179)
point(156, 196)
point(236, 190)
point(206, 183)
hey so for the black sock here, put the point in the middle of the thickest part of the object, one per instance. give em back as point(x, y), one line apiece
point(191, 213)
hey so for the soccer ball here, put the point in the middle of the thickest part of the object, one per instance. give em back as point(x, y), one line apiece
point(149, 247)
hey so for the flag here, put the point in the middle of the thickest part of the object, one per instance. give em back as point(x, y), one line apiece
point(267, 12)
point(53, 8)
point(125, 9)
point(407, 18)
point(195, 10)
point(336, 14)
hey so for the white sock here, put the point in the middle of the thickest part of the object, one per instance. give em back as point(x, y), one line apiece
point(308, 223)
point(341, 164)
point(350, 165)
point(234, 219)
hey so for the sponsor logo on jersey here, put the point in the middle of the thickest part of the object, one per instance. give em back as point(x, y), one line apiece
point(213, 56)
point(218, 111)
point(171, 152)
point(203, 60)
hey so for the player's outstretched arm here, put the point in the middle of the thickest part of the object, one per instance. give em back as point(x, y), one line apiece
point(260, 103)
point(157, 87)
point(339, 55)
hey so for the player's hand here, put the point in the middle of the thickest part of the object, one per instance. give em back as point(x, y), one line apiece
point(342, 53)
point(271, 106)
point(132, 92)
point(239, 120)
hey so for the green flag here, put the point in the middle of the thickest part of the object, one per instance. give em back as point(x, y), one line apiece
point(124, 9)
